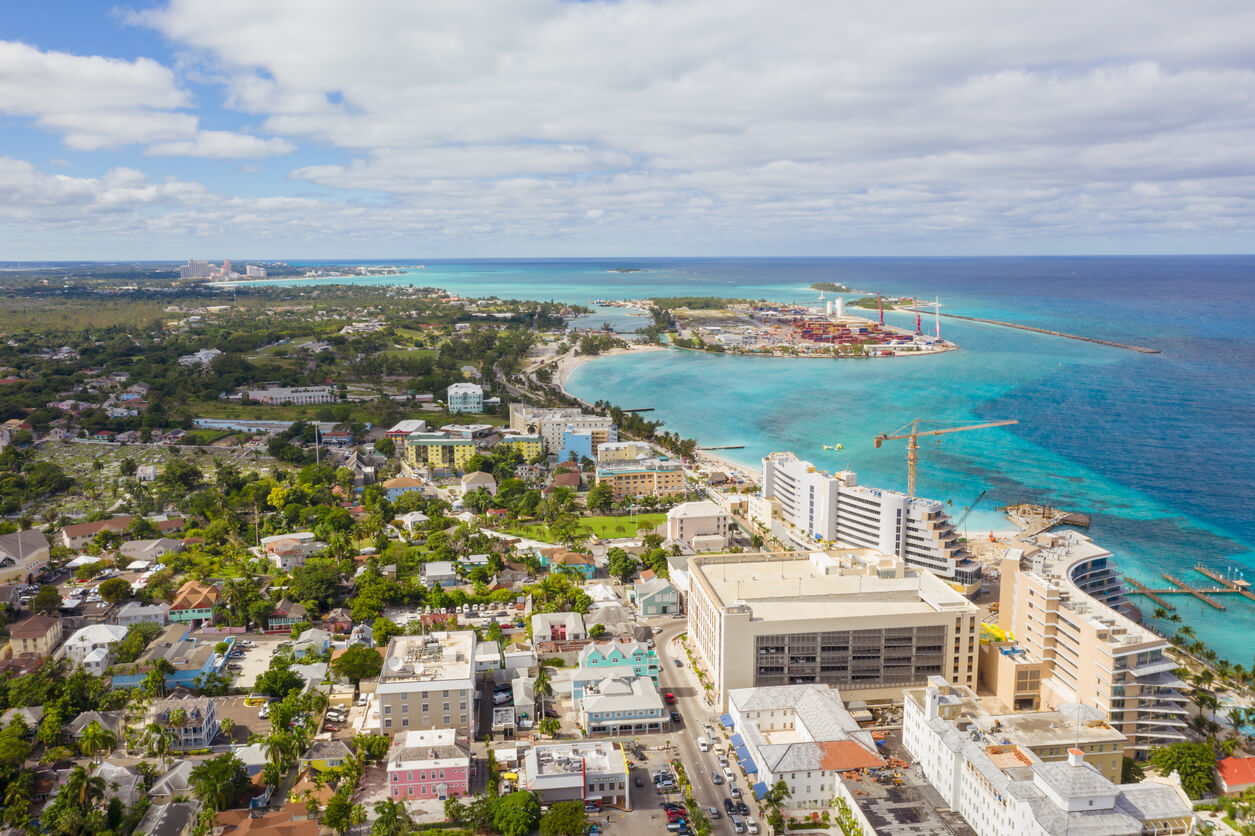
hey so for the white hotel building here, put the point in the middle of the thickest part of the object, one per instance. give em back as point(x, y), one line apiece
point(820, 508)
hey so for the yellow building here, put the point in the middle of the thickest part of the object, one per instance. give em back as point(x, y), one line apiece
point(644, 477)
point(530, 446)
point(437, 450)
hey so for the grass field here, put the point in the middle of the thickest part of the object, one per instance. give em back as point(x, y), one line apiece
point(604, 528)
point(411, 353)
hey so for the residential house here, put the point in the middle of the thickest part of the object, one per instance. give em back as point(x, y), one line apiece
point(151, 550)
point(519, 654)
point(398, 487)
point(288, 551)
point(323, 755)
point(286, 613)
point(413, 521)
point(558, 626)
point(431, 763)
point(1235, 776)
point(524, 689)
point(581, 564)
point(175, 781)
point(75, 536)
point(656, 596)
point(599, 660)
point(123, 782)
point(339, 620)
point(194, 720)
point(111, 721)
point(136, 613)
point(440, 572)
point(290, 820)
point(35, 637)
point(91, 647)
point(171, 818)
point(194, 603)
point(476, 480)
point(314, 639)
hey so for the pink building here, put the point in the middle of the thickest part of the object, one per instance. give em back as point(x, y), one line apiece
point(431, 763)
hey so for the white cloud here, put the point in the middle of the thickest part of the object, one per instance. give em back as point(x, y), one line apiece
point(103, 103)
point(698, 124)
point(222, 145)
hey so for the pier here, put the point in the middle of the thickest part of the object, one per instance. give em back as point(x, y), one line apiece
point(1240, 587)
point(724, 447)
point(1200, 594)
point(1150, 593)
point(639, 409)
point(1139, 348)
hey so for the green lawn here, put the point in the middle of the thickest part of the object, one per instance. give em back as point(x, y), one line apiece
point(605, 528)
point(412, 353)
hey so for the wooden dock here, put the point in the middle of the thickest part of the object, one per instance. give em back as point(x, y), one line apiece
point(1153, 595)
point(1200, 594)
point(725, 447)
point(1233, 586)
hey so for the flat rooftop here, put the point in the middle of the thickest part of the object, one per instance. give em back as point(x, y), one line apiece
point(600, 757)
point(782, 588)
point(435, 656)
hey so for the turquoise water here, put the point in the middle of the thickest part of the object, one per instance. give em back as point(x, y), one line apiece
point(1156, 447)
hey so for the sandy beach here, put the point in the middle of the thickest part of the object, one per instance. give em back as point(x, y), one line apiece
point(570, 362)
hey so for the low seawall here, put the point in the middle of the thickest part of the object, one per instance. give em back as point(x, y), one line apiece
point(1138, 348)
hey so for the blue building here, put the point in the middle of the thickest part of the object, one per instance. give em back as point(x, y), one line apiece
point(605, 659)
point(192, 659)
point(579, 442)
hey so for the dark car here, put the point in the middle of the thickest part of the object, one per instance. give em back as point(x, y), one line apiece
point(728, 805)
point(678, 663)
point(742, 808)
point(675, 716)
point(551, 712)
point(638, 781)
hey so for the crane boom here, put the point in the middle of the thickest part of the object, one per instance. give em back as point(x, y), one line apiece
point(912, 446)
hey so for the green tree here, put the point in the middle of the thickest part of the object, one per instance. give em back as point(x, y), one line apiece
point(548, 727)
point(341, 814)
point(279, 682)
point(600, 498)
point(96, 740)
point(358, 663)
point(391, 820)
point(386, 447)
point(219, 781)
point(621, 564)
point(516, 814)
point(1194, 762)
point(114, 590)
point(47, 600)
point(565, 818)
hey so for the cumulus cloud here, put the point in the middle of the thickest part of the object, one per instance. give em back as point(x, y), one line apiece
point(701, 124)
point(223, 145)
point(103, 103)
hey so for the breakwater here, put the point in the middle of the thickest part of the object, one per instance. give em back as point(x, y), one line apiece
point(1139, 348)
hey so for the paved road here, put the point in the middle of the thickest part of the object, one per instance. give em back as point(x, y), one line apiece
point(696, 712)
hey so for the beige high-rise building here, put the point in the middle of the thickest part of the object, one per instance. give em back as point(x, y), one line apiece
point(428, 682)
point(1060, 602)
point(852, 618)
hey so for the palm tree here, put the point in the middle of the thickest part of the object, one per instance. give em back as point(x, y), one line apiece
point(392, 820)
point(542, 687)
point(157, 741)
point(1160, 612)
point(85, 789)
point(96, 740)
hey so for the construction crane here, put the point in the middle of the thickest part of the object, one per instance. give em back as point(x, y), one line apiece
point(912, 446)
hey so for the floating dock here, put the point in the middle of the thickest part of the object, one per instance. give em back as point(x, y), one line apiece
point(1228, 586)
point(1138, 348)
point(1200, 594)
point(1138, 589)
point(1239, 586)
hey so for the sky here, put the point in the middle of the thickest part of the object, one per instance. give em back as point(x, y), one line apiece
point(536, 128)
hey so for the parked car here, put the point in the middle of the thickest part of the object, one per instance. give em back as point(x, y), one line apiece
point(742, 808)
point(729, 805)
point(670, 697)
point(678, 663)
point(713, 812)
point(675, 716)
point(638, 781)
point(736, 791)
point(716, 777)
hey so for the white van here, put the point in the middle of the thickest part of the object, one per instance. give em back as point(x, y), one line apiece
point(703, 744)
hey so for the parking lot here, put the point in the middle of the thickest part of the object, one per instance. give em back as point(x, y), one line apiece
point(256, 659)
point(244, 717)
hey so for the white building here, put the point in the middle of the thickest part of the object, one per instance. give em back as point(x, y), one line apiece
point(820, 508)
point(620, 705)
point(466, 397)
point(292, 395)
point(1006, 790)
point(551, 423)
point(200, 358)
point(853, 619)
point(558, 627)
point(582, 770)
point(288, 551)
point(196, 270)
point(428, 682)
point(91, 646)
point(137, 613)
point(702, 526)
point(802, 735)
point(255, 271)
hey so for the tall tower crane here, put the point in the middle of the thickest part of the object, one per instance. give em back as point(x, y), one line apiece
point(912, 445)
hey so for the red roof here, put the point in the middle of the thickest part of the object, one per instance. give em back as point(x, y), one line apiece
point(845, 755)
point(1237, 772)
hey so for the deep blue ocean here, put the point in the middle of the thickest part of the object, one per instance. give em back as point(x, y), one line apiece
point(1158, 448)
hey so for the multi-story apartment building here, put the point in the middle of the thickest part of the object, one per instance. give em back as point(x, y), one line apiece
point(643, 477)
point(465, 397)
point(194, 720)
point(1060, 599)
point(802, 735)
point(1048, 735)
point(35, 637)
point(432, 763)
point(623, 451)
point(1003, 789)
point(856, 620)
point(529, 445)
point(578, 770)
point(551, 423)
point(438, 451)
point(822, 508)
point(428, 682)
point(292, 395)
